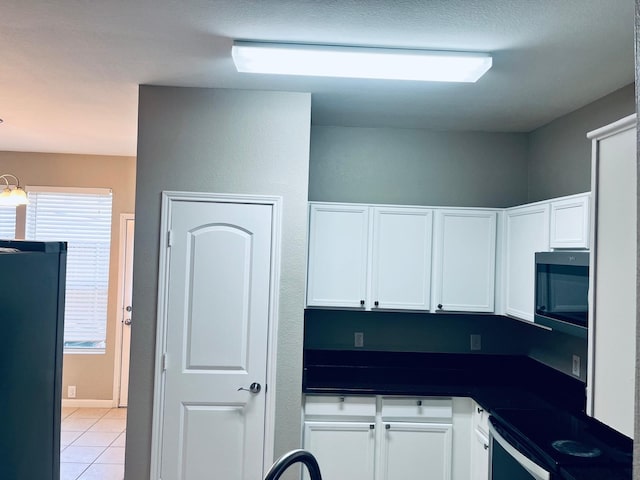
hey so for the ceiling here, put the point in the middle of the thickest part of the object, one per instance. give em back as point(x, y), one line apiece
point(71, 68)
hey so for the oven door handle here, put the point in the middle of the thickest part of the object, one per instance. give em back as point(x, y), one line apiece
point(538, 472)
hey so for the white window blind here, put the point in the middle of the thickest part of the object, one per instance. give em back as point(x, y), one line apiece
point(7, 222)
point(82, 218)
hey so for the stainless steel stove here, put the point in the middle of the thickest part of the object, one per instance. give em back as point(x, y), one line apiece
point(546, 444)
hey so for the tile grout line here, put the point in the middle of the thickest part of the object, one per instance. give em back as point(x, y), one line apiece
point(104, 449)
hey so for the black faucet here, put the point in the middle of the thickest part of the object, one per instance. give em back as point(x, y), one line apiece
point(288, 459)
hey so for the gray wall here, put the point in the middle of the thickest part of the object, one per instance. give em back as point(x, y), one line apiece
point(559, 155)
point(417, 167)
point(225, 141)
point(421, 167)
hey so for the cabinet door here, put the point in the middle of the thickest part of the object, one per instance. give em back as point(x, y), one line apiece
point(338, 240)
point(344, 450)
point(570, 223)
point(401, 258)
point(479, 456)
point(613, 309)
point(527, 232)
point(465, 260)
point(415, 451)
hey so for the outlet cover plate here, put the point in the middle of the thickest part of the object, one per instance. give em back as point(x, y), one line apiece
point(575, 366)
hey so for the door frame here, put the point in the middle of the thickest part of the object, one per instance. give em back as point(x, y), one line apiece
point(117, 364)
point(168, 199)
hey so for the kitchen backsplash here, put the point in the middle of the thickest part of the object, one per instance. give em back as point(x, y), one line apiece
point(441, 333)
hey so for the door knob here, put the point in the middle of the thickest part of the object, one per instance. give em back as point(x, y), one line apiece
point(127, 321)
point(253, 388)
point(128, 308)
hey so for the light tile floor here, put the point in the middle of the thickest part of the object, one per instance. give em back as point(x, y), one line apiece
point(92, 443)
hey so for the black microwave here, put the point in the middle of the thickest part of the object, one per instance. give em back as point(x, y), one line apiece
point(562, 291)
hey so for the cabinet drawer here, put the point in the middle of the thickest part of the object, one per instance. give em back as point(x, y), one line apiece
point(342, 406)
point(417, 409)
point(480, 419)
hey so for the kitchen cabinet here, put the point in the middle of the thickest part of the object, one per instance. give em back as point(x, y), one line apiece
point(401, 260)
point(397, 438)
point(415, 450)
point(479, 444)
point(338, 255)
point(343, 449)
point(465, 259)
point(526, 231)
point(570, 222)
point(369, 257)
point(340, 432)
point(612, 311)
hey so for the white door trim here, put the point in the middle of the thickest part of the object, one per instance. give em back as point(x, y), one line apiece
point(168, 197)
point(124, 217)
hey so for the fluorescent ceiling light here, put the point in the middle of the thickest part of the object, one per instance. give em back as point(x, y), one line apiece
point(359, 62)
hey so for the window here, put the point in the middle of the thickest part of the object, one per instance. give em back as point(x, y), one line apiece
point(7, 222)
point(82, 218)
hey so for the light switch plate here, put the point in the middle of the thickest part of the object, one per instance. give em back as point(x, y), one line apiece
point(476, 342)
point(358, 339)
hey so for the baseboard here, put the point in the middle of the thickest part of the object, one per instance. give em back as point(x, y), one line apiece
point(87, 403)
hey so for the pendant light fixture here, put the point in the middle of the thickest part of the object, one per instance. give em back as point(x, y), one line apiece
point(12, 194)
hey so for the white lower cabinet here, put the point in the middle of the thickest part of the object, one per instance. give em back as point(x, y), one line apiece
point(397, 439)
point(415, 450)
point(343, 449)
point(479, 455)
point(479, 443)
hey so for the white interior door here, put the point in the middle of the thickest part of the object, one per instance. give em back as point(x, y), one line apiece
point(217, 319)
point(127, 224)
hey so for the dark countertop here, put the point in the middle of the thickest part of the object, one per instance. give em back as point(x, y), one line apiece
point(493, 381)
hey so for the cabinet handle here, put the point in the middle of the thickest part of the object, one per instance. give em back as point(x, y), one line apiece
point(419, 402)
point(362, 302)
point(341, 399)
point(486, 447)
point(439, 306)
point(372, 426)
point(376, 303)
point(387, 426)
point(480, 410)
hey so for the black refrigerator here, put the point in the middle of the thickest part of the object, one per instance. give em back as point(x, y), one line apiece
point(32, 289)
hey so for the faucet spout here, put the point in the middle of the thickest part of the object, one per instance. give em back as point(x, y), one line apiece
point(288, 459)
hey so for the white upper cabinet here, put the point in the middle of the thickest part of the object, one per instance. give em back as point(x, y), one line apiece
point(465, 259)
point(338, 255)
point(526, 232)
point(611, 386)
point(570, 222)
point(369, 257)
point(401, 263)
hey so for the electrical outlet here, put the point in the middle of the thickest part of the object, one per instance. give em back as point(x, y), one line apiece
point(71, 391)
point(358, 339)
point(575, 366)
point(476, 342)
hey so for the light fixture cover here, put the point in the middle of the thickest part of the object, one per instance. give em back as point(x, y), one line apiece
point(359, 62)
point(12, 195)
